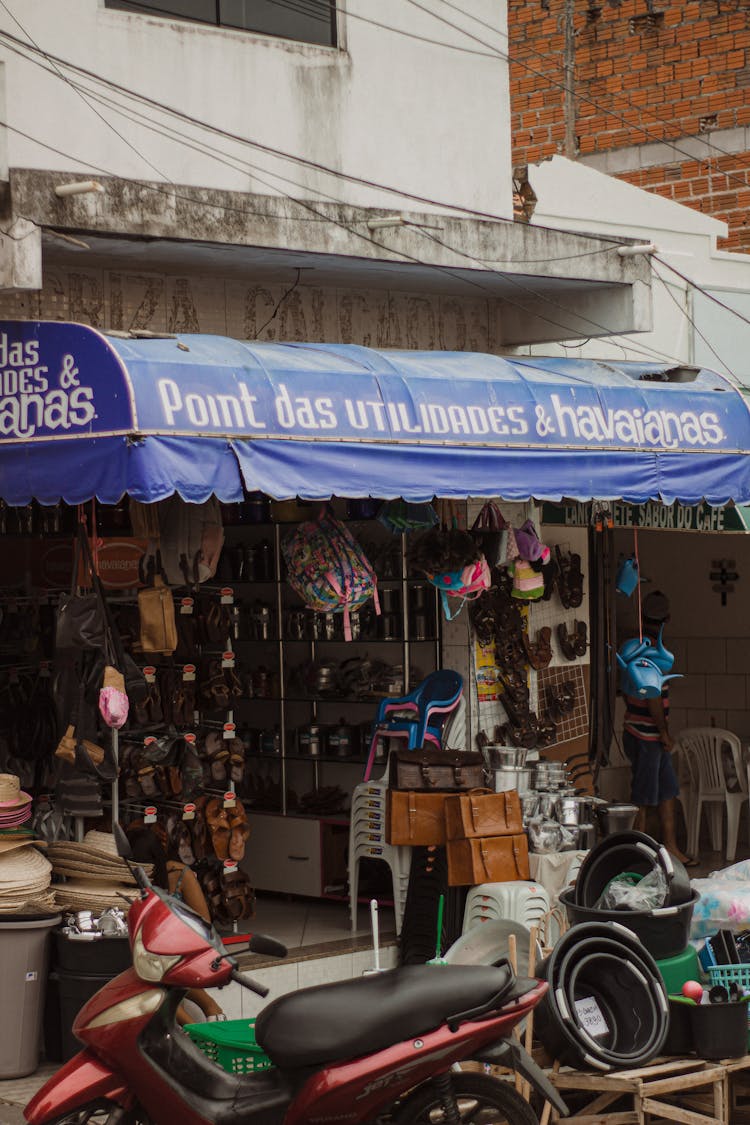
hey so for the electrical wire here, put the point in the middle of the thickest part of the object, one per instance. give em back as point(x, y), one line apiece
point(704, 292)
point(536, 294)
point(696, 329)
point(81, 95)
point(581, 98)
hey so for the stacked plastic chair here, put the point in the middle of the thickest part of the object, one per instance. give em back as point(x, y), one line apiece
point(527, 903)
point(367, 841)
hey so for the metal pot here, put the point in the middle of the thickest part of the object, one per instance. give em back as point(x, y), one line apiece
point(507, 778)
point(615, 818)
point(547, 802)
point(503, 756)
point(586, 837)
point(529, 805)
point(572, 811)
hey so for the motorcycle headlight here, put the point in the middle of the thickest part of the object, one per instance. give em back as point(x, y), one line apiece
point(150, 966)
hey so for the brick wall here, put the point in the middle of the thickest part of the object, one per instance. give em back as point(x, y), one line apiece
point(642, 79)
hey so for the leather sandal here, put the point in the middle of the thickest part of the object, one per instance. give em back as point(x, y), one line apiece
point(567, 642)
point(580, 642)
point(570, 579)
point(240, 831)
point(237, 894)
point(216, 753)
point(218, 826)
point(90, 758)
point(539, 654)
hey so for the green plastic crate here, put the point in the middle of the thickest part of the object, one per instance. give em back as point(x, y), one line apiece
point(230, 1044)
point(730, 974)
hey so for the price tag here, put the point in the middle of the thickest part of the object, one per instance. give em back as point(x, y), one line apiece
point(188, 673)
point(149, 674)
point(227, 659)
point(196, 716)
point(229, 730)
point(188, 813)
point(590, 1017)
point(190, 738)
point(149, 740)
point(149, 814)
point(230, 865)
point(44, 670)
point(186, 605)
point(230, 800)
point(226, 595)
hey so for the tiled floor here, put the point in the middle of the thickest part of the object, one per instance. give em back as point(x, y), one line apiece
point(299, 922)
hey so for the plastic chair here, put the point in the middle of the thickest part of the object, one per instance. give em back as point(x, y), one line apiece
point(686, 769)
point(420, 716)
point(524, 902)
point(716, 757)
point(367, 841)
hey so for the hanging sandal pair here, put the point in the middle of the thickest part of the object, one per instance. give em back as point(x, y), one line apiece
point(573, 644)
point(539, 653)
point(569, 579)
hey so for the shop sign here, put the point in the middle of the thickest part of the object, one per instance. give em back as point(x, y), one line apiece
point(652, 516)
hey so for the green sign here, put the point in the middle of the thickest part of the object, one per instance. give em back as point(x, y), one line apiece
point(653, 516)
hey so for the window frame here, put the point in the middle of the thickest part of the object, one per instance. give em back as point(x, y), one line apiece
point(123, 7)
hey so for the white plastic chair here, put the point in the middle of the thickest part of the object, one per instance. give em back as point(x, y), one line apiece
point(367, 841)
point(722, 779)
point(686, 769)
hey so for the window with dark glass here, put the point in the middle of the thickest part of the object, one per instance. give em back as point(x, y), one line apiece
point(308, 21)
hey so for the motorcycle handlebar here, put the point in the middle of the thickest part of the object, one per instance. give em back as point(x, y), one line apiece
point(248, 982)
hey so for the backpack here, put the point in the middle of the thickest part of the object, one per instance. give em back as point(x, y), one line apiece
point(328, 568)
point(191, 537)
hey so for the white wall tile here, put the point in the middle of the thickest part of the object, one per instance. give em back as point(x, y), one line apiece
point(727, 691)
point(706, 654)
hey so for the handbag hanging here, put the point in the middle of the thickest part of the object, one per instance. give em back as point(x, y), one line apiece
point(158, 631)
point(490, 533)
point(480, 812)
point(80, 619)
point(436, 769)
point(489, 859)
point(415, 819)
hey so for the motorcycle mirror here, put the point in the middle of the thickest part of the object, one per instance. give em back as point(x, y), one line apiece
point(124, 849)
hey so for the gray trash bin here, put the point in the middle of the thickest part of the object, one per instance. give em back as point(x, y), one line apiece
point(24, 957)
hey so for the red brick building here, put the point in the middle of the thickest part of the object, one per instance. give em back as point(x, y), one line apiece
point(655, 93)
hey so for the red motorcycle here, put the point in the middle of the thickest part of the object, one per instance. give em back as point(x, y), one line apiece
point(382, 1049)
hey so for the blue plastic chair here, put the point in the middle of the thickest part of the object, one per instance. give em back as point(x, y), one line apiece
point(427, 708)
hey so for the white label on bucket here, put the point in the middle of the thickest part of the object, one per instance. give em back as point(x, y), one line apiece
point(30, 977)
point(590, 1016)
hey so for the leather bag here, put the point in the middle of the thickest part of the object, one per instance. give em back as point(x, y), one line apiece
point(156, 609)
point(436, 769)
point(81, 620)
point(415, 819)
point(480, 812)
point(490, 859)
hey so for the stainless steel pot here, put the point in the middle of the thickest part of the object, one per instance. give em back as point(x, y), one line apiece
point(547, 802)
point(572, 811)
point(529, 805)
point(507, 778)
point(503, 756)
point(615, 818)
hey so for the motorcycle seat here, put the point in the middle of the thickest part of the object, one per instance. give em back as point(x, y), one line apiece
point(350, 1018)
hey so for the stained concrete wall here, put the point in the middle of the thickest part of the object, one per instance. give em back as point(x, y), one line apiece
point(386, 106)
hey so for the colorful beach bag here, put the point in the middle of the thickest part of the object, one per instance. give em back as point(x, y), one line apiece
point(328, 568)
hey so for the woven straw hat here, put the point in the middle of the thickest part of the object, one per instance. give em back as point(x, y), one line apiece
point(103, 842)
point(24, 878)
point(83, 895)
point(11, 794)
point(10, 845)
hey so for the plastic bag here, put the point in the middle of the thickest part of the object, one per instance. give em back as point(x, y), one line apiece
point(631, 892)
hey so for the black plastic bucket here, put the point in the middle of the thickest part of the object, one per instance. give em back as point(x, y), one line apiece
point(635, 852)
point(679, 1039)
point(719, 1030)
point(664, 932)
point(606, 1006)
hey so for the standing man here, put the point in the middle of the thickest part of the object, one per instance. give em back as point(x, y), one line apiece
point(648, 744)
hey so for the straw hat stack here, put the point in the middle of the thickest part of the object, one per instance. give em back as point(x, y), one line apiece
point(95, 876)
point(25, 876)
point(15, 805)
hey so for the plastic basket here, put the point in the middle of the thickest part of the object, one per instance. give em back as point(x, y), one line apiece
point(230, 1044)
point(730, 974)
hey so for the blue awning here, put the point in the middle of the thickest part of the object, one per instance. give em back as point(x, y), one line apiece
point(84, 414)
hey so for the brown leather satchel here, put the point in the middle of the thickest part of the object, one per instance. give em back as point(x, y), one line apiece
point(480, 812)
point(493, 859)
point(416, 819)
point(158, 625)
point(432, 768)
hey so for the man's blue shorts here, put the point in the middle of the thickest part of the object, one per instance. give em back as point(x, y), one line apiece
point(653, 779)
